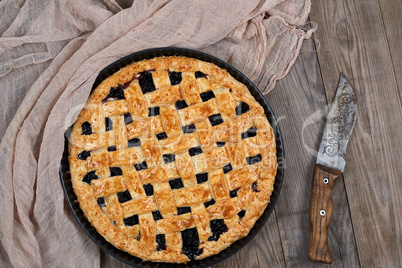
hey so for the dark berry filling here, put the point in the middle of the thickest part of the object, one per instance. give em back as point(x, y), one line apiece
point(86, 128)
point(205, 96)
point(101, 201)
point(84, 155)
point(115, 171)
point(227, 168)
point(161, 241)
point(218, 227)
point(195, 151)
point(115, 93)
point(183, 210)
point(89, 177)
point(251, 160)
point(135, 142)
point(191, 241)
point(181, 104)
point(251, 132)
point(149, 189)
point(157, 215)
point(233, 193)
point(254, 187)
point(146, 82)
point(130, 221)
point(189, 129)
point(108, 124)
point(124, 196)
point(241, 214)
point(141, 166)
point(176, 183)
point(199, 74)
point(161, 136)
point(242, 108)
point(209, 203)
point(128, 119)
point(169, 158)
point(220, 143)
point(153, 111)
point(215, 119)
point(201, 177)
point(175, 78)
point(111, 148)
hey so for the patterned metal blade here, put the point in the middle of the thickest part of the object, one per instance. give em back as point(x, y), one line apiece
point(340, 121)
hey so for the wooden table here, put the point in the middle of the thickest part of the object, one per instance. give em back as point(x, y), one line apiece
point(363, 40)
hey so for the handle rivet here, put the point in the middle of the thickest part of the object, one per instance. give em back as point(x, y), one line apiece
point(322, 212)
point(325, 180)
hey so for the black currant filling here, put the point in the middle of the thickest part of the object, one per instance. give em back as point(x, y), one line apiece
point(220, 143)
point(183, 210)
point(218, 227)
point(157, 215)
point(169, 158)
point(201, 177)
point(199, 74)
point(189, 129)
point(146, 82)
point(233, 193)
point(101, 201)
point(175, 78)
point(242, 108)
point(176, 183)
point(215, 119)
point(108, 124)
point(251, 160)
point(161, 242)
point(227, 168)
point(149, 189)
point(251, 132)
point(86, 128)
point(115, 171)
point(241, 214)
point(131, 221)
point(254, 187)
point(84, 155)
point(124, 196)
point(89, 177)
point(209, 203)
point(191, 241)
point(205, 96)
point(181, 104)
point(141, 166)
point(115, 93)
point(195, 151)
point(128, 119)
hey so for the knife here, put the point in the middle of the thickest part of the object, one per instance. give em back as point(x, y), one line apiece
point(330, 165)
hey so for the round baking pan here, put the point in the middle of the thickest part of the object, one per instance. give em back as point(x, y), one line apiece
point(236, 246)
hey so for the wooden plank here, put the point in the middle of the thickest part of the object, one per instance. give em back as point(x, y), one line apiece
point(297, 100)
point(353, 40)
point(391, 16)
point(265, 250)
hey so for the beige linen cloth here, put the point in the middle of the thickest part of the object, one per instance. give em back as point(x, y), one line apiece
point(50, 54)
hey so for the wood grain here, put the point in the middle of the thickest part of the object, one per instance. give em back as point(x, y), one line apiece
point(320, 213)
point(391, 17)
point(371, 172)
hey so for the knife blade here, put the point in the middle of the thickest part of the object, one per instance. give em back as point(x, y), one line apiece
point(329, 166)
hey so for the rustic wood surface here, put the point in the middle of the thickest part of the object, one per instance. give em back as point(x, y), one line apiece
point(363, 40)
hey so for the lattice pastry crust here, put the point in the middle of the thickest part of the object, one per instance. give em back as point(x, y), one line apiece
point(172, 159)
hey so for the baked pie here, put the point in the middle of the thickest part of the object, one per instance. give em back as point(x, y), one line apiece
point(172, 159)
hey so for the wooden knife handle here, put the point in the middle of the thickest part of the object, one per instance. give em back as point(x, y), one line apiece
point(320, 214)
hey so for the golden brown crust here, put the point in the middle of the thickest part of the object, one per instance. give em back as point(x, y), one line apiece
point(185, 152)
